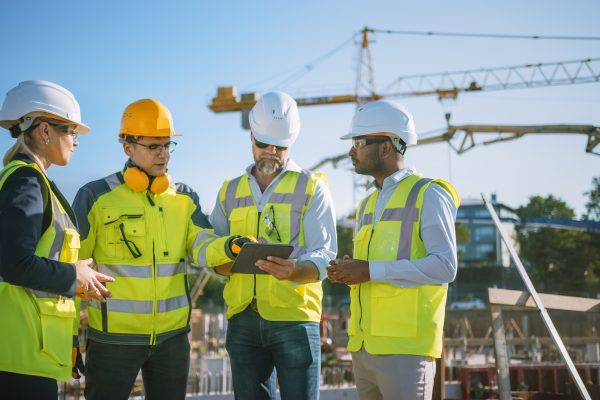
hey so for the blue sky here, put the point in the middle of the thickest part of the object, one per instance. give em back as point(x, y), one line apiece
point(112, 53)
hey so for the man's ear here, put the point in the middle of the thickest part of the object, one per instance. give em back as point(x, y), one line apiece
point(386, 149)
point(128, 149)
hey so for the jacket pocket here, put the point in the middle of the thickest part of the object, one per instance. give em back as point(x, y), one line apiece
point(56, 318)
point(394, 311)
point(70, 246)
point(124, 232)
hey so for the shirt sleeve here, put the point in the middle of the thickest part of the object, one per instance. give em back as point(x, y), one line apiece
point(21, 224)
point(320, 237)
point(439, 265)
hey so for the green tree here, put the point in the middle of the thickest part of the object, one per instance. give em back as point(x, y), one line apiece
point(593, 205)
point(558, 260)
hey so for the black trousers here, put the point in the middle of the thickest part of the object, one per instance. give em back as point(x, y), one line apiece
point(26, 387)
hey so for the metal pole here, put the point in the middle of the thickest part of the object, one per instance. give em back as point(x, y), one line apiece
point(538, 302)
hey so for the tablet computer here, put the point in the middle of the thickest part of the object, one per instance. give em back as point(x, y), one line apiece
point(252, 252)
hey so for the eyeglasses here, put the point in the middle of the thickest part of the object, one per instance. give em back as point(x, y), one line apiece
point(66, 129)
point(155, 148)
point(269, 220)
point(359, 143)
point(262, 145)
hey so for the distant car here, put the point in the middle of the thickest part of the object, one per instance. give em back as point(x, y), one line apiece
point(477, 304)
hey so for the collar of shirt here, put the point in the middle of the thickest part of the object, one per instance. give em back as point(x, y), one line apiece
point(261, 198)
point(393, 179)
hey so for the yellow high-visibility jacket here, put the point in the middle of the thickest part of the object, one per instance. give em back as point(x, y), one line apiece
point(145, 241)
point(37, 326)
point(276, 300)
point(384, 318)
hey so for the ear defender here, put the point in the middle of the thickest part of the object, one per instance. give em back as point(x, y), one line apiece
point(138, 180)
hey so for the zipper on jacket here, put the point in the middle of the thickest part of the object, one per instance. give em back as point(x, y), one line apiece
point(154, 302)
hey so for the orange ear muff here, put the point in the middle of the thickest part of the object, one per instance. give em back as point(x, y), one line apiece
point(138, 181)
point(160, 184)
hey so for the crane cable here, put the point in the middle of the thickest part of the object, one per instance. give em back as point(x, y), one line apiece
point(486, 35)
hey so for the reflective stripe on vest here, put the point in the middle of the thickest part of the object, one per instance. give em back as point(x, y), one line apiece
point(143, 271)
point(143, 306)
point(408, 215)
point(36, 337)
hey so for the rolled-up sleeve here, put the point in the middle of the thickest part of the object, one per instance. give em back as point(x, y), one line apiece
point(320, 237)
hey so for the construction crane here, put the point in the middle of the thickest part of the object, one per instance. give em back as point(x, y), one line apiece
point(504, 133)
point(443, 85)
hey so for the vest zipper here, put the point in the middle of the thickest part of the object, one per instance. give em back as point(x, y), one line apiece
point(257, 233)
point(360, 284)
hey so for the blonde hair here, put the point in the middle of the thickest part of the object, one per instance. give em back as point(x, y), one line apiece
point(22, 145)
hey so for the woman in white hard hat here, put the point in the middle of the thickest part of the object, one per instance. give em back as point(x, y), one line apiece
point(39, 269)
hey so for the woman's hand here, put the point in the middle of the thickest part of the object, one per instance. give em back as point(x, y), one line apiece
point(89, 282)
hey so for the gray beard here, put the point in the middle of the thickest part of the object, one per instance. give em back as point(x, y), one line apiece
point(268, 166)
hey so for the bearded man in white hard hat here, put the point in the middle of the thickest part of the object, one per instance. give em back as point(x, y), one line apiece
point(404, 258)
point(273, 328)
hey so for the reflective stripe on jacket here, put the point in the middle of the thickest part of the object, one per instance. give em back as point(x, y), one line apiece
point(384, 318)
point(37, 326)
point(145, 242)
point(281, 221)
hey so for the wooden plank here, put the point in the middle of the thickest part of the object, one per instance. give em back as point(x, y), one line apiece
point(551, 301)
point(460, 342)
point(501, 353)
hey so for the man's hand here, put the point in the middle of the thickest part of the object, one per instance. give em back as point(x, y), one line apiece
point(224, 269)
point(348, 271)
point(280, 268)
point(89, 282)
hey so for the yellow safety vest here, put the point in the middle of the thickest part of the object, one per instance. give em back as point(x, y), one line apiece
point(143, 240)
point(276, 300)
point(384, 318)
point(37, 326)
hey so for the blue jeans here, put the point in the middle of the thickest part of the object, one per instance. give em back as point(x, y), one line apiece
point(259, 349)
point(111, 369)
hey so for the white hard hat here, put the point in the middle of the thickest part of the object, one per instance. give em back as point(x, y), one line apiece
point(383, 116)
point(274, 119)
point(40, 97)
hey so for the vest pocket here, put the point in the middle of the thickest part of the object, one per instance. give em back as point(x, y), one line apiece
point(56, 318)
point(361, 240)
point(238, 221)
point(285, 295)
point(70, 246)
point(394, 311)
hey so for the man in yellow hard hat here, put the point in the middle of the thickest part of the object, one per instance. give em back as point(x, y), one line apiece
point(141, 229)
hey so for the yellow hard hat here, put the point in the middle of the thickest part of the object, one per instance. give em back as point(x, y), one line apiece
point(147, 117)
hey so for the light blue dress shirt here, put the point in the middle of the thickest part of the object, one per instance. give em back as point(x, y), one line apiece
point(438, 216)
point(320, 237)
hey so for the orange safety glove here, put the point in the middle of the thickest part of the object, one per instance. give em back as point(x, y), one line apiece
point(235, 244)
point(77, 363)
